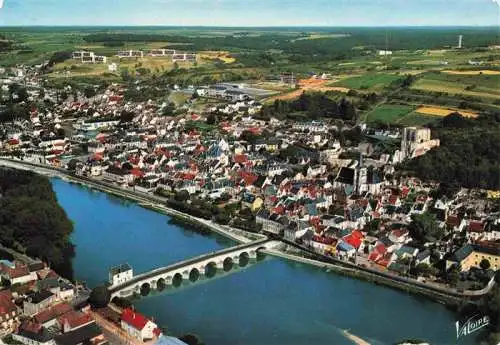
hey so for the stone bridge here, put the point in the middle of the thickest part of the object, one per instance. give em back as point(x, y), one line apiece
point(191, 269)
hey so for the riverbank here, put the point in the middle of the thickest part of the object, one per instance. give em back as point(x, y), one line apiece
point(156, 203)
point(273, 302)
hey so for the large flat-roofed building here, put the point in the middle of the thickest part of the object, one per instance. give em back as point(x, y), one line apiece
point(130, 54)
point(162, 52)
point(184, 57)
point(88, 57)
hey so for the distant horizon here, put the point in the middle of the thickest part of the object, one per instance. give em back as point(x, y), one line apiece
point(251, 13)
point(246, 27)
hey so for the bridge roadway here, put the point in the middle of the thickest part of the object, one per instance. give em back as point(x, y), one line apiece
point(198, 265)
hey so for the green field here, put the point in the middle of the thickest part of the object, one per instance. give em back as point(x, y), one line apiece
point(415, 119)
point(369, 81)
point(487, 86)
point(388, 113)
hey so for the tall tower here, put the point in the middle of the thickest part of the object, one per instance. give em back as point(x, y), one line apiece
point(460, 41)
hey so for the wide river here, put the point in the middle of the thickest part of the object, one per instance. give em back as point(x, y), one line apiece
point(269, 302)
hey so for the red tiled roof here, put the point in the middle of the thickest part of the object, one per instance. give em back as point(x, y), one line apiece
point(31, 326)
point(324, 240)
point(52, 313)
point(16, 272)
point(475, 226)
point(134, 319)
point(240, 158)
point(137, 172)
point(353, 240)
point(6, 304)
point(453, 220)
point(393, 199)
point(249, 178)
point(74, 319)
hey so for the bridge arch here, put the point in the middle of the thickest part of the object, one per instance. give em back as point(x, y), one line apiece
point(244, 258)
point(210, 269)
point(227, 264)
point(145, 289)
point(160, 284)
point(194, 274)
point(260, 253)
point(177, 279)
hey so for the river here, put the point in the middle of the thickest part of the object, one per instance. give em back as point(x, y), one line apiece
point(272, 302)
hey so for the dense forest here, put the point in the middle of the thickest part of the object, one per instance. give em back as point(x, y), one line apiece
point(468, 155)
point(314, 106)
point(32, 221)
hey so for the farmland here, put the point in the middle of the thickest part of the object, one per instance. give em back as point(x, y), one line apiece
point(478, 85)
point(369, 81)
point(388, 113)
point(439, 111)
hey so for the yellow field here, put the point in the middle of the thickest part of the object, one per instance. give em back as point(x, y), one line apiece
point(438, 111)
point(221, 55)
point(483, 71)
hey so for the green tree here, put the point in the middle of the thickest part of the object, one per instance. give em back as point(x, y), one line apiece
point(424, 228)
point(182, 196)
point(99, 297)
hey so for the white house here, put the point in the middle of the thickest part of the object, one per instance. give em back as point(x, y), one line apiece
point(120, 274)
point(138, 326)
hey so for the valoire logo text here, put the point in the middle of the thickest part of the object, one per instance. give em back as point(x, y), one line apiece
point(472, 325)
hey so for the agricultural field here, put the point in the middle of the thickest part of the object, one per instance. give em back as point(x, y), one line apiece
point(369, 81)
point(441, 112)
point(388, 113)
point(307, 85)
point(479, 85)
point(223, 56)
point(473, 72)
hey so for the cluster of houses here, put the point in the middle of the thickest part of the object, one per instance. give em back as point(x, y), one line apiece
point(38, 307)
point(297, 180)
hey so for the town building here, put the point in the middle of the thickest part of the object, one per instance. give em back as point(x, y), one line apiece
point(184, 57)
point(88, 57)
point(38, 301)
point(471, 255)
point(130, 54)
point(416, 142)
point(138, 326)
point(16, 273)
point(288, 78)
point(9, 312)
point(32, 333)
point(162, 52)
point(120, 274)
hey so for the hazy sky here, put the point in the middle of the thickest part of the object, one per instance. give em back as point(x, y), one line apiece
point(250, 12)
